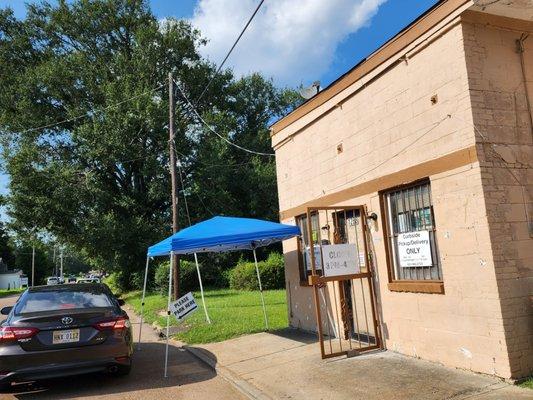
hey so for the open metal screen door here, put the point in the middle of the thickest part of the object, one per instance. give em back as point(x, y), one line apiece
point(341, 276)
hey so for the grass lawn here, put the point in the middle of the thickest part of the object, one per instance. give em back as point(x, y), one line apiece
point(232, 312)
point(5, 292)
point(528, 383)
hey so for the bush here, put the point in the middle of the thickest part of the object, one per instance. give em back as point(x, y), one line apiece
point(244, 276)
point(188, 276)
point(113, 282)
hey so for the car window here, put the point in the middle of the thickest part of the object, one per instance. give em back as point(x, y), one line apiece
point(61, 300)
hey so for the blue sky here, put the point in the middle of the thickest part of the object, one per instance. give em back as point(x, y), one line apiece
point(294, 42)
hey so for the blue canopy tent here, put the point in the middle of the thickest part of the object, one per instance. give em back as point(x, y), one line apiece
point(218, 234)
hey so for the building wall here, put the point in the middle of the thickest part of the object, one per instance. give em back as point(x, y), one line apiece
point(505, 147)
point(391, 133)
point(10, 280)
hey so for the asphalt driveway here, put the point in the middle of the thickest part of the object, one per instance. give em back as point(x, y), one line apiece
point(188, 378)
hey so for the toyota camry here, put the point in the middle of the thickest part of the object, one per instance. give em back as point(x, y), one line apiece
point(63, 330)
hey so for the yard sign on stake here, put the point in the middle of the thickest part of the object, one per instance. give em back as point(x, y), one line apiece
point(184, 306)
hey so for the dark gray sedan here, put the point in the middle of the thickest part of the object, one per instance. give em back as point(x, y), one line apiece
point(64, 330)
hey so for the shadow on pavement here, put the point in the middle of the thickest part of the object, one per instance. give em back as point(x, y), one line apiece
point(146, 374)
point(295, 334)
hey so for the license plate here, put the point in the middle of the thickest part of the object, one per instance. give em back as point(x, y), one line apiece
point(66, 336)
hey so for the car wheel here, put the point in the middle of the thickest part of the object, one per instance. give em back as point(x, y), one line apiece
point(123, 370)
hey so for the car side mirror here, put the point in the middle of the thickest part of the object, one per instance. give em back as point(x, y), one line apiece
point(6, 310)
point(121, 302)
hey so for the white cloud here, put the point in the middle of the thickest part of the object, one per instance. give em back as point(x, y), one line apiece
point(291, 41)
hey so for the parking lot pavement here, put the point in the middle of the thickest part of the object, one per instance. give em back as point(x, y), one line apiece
point(188, 377)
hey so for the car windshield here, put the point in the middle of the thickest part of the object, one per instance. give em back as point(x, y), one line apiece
point(32, 302)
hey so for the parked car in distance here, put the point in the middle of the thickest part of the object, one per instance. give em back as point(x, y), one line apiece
point(72, 279)
point(88, 280)
point(52, 280)
point(64, 330)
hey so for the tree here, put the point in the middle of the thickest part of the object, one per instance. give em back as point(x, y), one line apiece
point(44, 265)
point(6, 250)
point(91, 74)
point(229, 180)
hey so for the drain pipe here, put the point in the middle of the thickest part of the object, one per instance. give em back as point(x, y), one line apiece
point(520, 49)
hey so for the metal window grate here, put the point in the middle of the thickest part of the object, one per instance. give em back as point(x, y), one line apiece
point(304, 244)
point(410, 209)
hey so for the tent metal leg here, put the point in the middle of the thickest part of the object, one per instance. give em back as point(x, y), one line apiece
point(142, 302)
point(261, 290)
point(168, 311)
point(201, 288)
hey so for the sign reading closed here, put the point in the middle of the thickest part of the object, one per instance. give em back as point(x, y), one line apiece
point(414, 249)
point(340, 259)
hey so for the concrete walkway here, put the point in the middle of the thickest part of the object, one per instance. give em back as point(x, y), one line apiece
point(287, 365)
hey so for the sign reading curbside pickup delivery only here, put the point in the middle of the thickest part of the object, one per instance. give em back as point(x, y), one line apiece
point(414, 249)
point(184, 306)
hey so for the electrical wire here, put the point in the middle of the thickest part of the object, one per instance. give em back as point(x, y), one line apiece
point(183, 189)
point(505, 164)
point(229, 52)
point(436, 124)
point(184, 195)
point(195, 113)
point(90, 114)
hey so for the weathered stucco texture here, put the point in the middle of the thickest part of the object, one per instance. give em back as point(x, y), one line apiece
point(504, 138)
point(483, 320)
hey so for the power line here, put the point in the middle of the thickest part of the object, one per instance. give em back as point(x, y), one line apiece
point(184, 195)
point(195, 113)
point(229, 52)
point(397, 153)
point(90, 113)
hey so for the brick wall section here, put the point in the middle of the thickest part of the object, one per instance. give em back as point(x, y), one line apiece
point(390, 114)
point(393, 120)
point(504, 140)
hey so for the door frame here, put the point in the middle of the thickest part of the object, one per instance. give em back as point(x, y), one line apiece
point(318, 282)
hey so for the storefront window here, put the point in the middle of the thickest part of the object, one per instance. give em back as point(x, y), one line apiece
point(410, 227)
point(304, 248)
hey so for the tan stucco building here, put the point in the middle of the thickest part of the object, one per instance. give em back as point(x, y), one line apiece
point(433, 134)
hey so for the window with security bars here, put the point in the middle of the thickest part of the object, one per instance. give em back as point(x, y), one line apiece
point(304, 248)
point(410, 227)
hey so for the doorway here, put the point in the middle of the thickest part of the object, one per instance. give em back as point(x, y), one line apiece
point(341, 277)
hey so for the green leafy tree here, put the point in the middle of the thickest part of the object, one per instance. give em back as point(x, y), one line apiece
point(44, 265)
point(6, 250)
point(99, 181)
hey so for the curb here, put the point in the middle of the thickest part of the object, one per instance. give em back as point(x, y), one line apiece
point(243, 386)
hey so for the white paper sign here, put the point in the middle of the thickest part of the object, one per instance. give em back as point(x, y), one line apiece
point(318, 257)
point(340, 259)
point(184, 306)
point(414, 249)
point(24, 281)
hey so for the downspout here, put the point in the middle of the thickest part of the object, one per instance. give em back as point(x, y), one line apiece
point(520, 49)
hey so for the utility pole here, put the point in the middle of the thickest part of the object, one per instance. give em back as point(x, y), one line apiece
point(61, 264)
point(172, 161)
point(55, 264)
point(33, 265)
